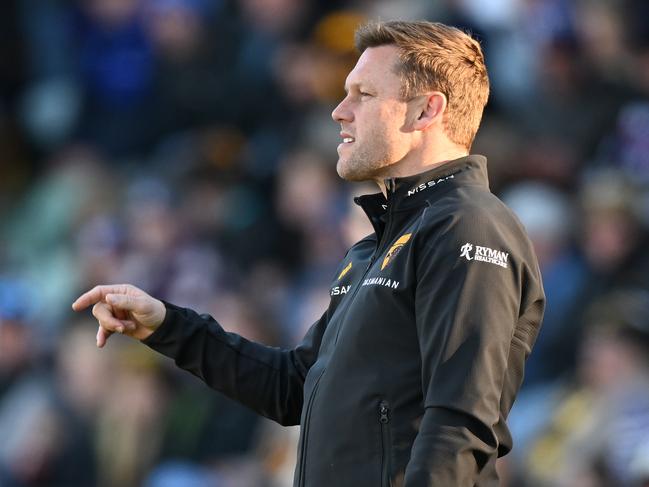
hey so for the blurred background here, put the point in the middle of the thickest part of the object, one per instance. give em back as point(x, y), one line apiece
point(186, 146)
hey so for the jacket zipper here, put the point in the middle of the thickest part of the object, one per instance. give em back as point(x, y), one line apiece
point(386, 443)
point(307, 420)
point(377, 252)
point(307, 417)
point(388, 225)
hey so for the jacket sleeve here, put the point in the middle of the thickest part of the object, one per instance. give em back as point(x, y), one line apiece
point(466, 310)
point(266, 379)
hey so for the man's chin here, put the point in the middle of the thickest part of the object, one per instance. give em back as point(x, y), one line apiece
point(348, 172)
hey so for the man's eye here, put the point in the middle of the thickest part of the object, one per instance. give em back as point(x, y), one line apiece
point(365, 94)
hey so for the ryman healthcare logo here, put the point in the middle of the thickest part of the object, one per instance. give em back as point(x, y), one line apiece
point(484, 254)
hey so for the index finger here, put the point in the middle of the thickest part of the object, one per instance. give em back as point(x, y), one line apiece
point(96, 294)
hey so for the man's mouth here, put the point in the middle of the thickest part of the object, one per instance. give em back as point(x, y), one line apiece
point(347, 137)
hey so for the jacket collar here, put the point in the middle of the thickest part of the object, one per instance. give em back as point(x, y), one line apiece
point(413, 191)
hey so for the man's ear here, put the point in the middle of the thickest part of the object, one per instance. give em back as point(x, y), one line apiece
point(431, 111)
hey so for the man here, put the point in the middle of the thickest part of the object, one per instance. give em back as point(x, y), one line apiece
point(408, 376)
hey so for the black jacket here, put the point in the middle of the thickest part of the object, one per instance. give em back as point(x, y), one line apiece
point(409, 375)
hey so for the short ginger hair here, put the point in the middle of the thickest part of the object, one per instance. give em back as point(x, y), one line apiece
point(437, 57)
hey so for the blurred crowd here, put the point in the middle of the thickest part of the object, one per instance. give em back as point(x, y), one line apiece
point(186, 147)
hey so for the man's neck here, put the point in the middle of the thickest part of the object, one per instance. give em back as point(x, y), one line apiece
point(417, 165)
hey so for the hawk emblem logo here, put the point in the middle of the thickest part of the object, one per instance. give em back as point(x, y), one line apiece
point(395, 249)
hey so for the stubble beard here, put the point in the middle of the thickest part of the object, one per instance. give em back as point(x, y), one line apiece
point(365, 163)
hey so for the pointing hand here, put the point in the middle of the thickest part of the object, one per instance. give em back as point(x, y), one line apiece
point(124, 309)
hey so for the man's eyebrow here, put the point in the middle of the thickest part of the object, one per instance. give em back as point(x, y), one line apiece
point(366, 86)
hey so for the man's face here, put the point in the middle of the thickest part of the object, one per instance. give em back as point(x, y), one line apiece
point(373, 118)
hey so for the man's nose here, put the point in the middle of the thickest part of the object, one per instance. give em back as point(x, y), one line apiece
point(342, 113)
